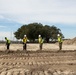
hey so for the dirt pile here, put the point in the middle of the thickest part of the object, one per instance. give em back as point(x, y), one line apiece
point(70, 41)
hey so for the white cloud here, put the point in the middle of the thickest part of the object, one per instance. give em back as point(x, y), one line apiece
point(1, 17)
point(5, 18)
point(26, 11)
point(43, 11)
point(3, 34)
point(50, 18)
point(9, 35)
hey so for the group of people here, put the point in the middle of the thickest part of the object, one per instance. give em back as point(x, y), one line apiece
point(25, 42)
point(40, 40)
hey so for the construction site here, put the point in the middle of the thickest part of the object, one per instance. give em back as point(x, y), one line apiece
point(48, 61)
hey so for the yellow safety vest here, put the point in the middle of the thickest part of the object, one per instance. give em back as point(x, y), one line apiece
point(24, 40)
point(60, 39)
point(7, 41)
point(40, 40)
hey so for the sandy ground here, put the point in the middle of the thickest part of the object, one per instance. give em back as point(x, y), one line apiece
point(34, 47)
point(45, 62)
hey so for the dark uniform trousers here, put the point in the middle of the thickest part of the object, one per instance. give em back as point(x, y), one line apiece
point(24, 46)
point(41, 46)
point(60, 45)
point(8, 45)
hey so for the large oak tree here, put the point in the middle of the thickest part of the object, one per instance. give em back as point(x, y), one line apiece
point(32, 31)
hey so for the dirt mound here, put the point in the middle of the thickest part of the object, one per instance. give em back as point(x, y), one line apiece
point(70, 41)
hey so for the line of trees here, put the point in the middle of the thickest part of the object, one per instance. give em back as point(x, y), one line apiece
point(32, 31)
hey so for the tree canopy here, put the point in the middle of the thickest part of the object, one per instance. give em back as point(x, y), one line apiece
point(32, 31)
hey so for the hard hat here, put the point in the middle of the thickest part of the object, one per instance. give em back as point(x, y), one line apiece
point(58, 35)
point(39, 35)
point(24, 35)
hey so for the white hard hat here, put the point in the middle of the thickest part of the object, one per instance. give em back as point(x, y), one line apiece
point(24, 35)
point(39, 35)
point(58, 35)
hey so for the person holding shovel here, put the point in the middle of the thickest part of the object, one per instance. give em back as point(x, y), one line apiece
point(60, 41)
point(40, 42)
point(24, 42)
point(7, 43)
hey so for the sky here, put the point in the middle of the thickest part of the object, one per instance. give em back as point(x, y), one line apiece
point(15, 13)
